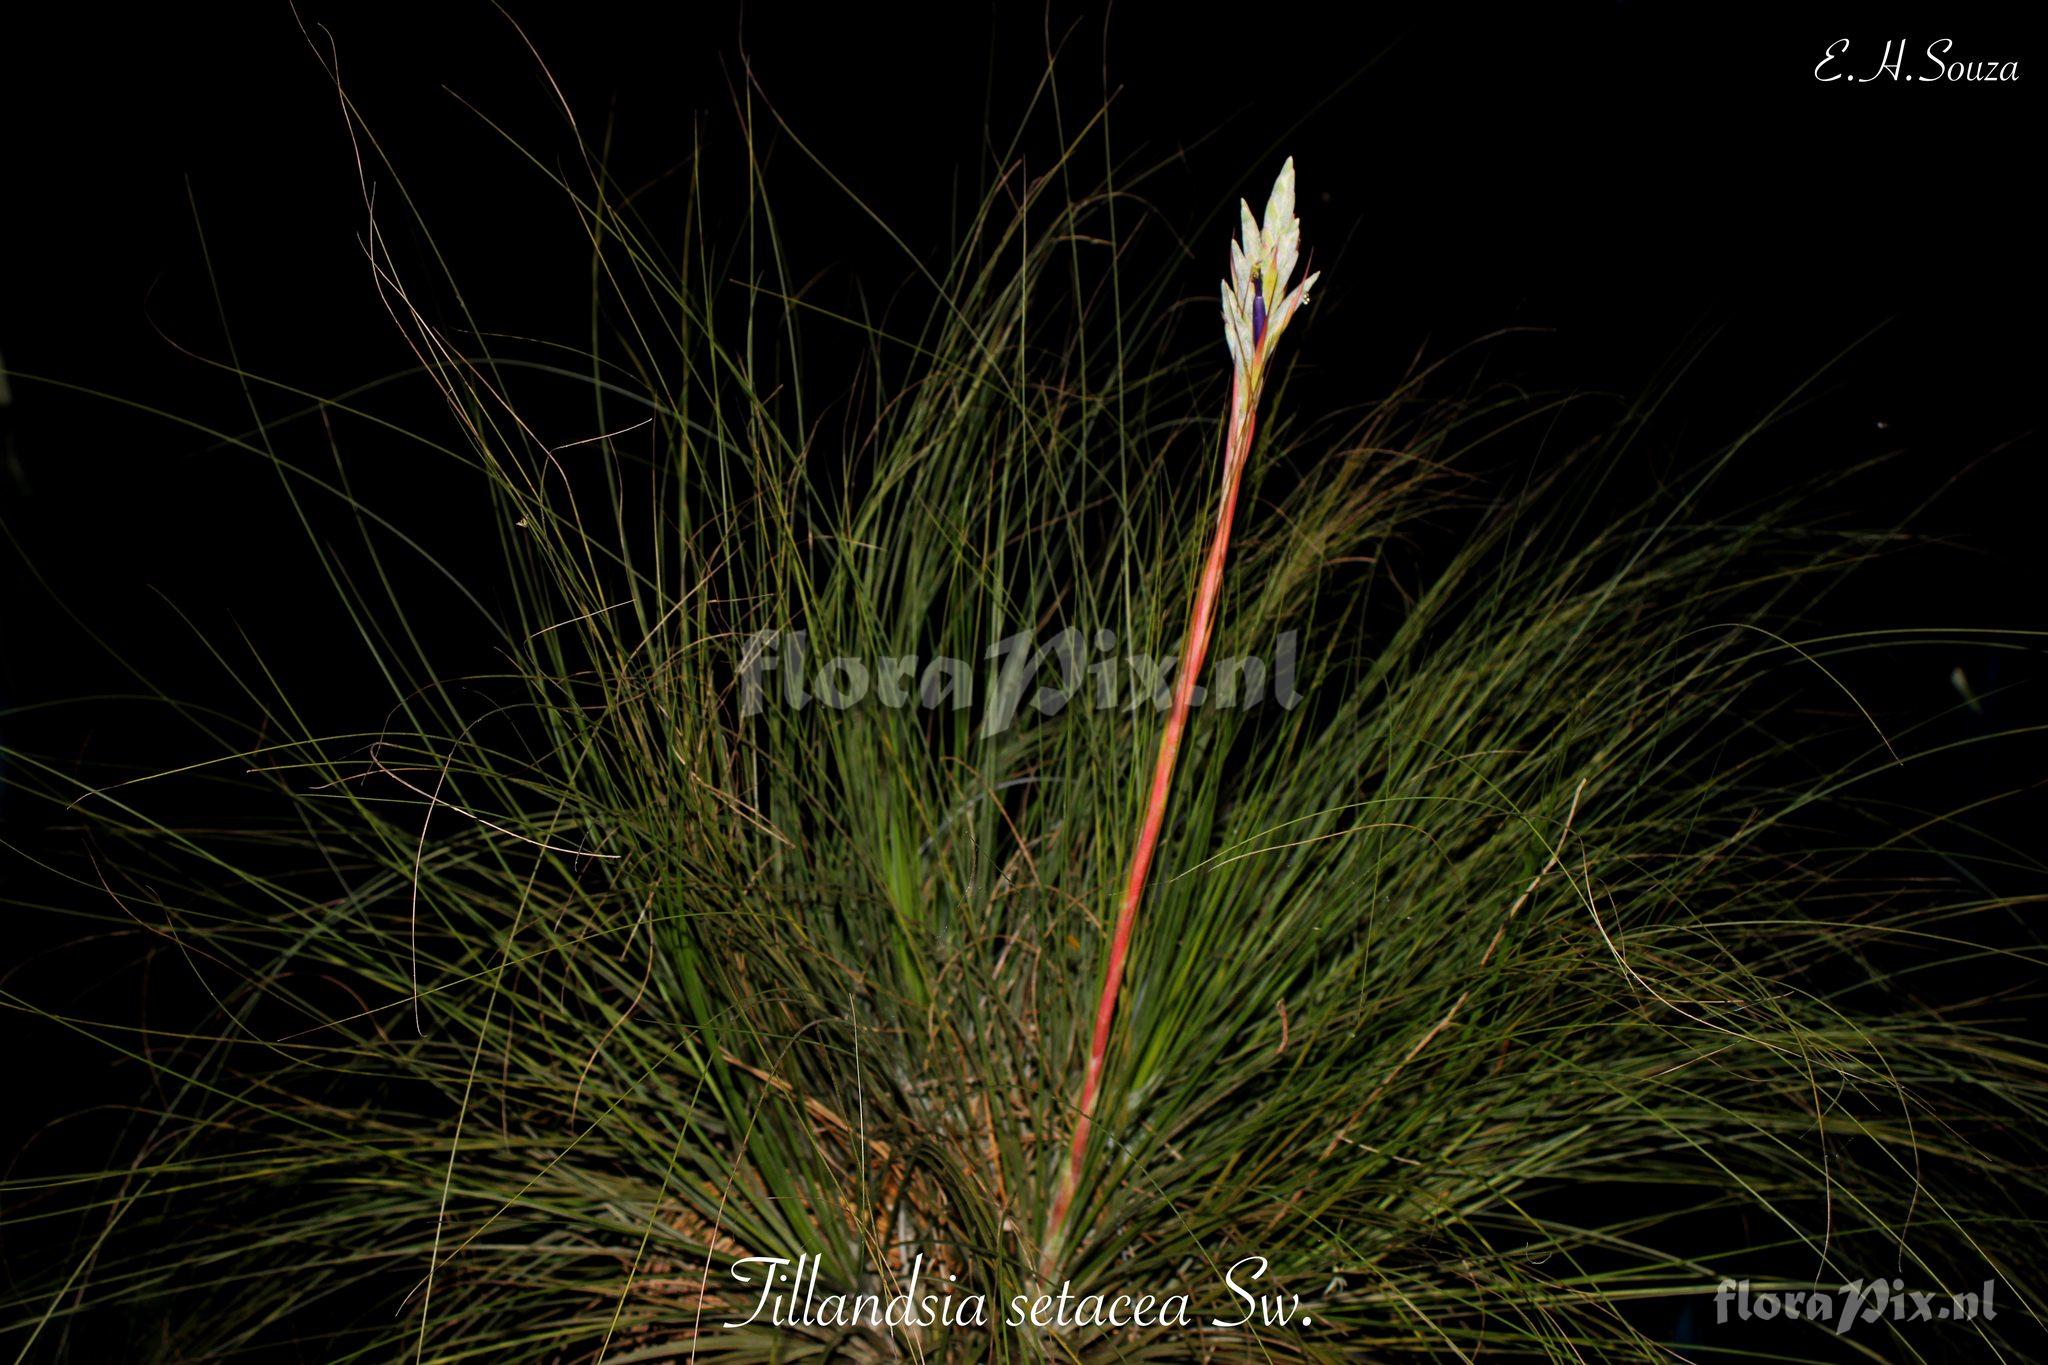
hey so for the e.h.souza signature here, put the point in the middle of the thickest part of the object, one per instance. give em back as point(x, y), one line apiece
point(1937, 63)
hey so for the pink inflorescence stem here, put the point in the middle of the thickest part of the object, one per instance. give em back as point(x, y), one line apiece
point(1264, 259)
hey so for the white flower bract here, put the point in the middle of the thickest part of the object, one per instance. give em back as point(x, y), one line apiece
point(1256, 304)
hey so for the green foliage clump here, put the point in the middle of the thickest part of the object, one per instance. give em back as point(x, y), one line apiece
point(1506, 993)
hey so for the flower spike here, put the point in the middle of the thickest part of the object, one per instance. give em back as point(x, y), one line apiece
point(1256, 310)
point(1256, 304)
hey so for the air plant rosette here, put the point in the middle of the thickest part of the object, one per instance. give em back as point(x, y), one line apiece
point(1504, 999)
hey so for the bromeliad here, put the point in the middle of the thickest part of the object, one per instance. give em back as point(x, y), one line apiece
point(1256, 310)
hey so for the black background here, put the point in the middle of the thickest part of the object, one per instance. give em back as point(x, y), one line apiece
point(1641, 182)
point(1637, 180)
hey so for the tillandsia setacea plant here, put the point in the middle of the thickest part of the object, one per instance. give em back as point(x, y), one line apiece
point(1256, 309)
point(612, 974)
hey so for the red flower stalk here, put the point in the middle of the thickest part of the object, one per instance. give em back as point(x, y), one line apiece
point(1261, 264)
